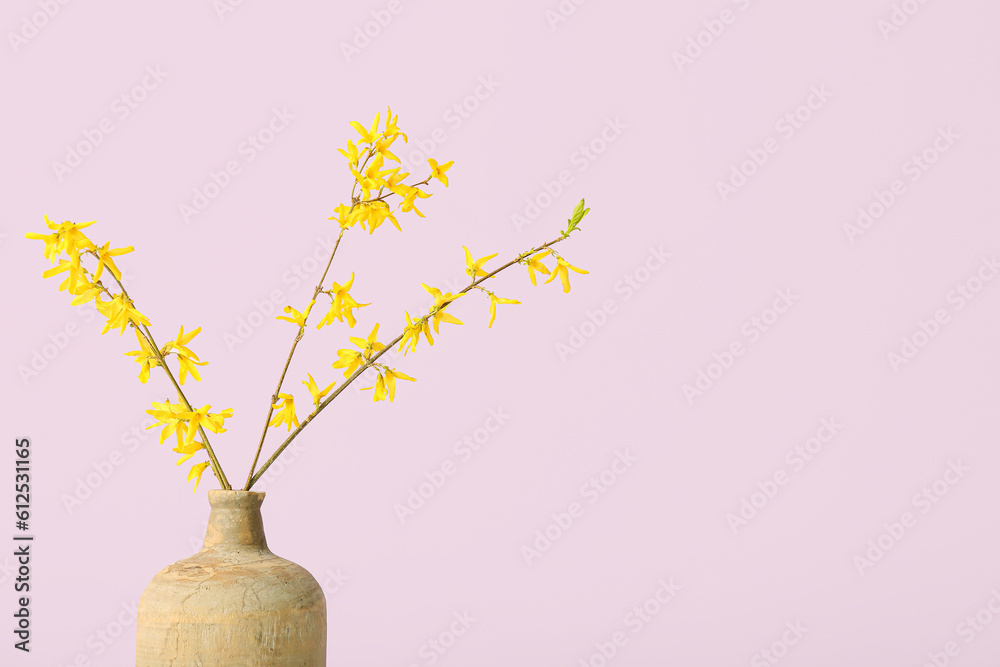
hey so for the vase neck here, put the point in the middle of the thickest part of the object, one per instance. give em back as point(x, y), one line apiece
point(235, 519)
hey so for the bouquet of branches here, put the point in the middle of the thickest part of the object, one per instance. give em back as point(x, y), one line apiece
point(376, 182)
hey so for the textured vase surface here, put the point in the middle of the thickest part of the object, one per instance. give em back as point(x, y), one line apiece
point(234, 603)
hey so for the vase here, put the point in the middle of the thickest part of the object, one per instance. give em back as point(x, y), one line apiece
point(234, 603)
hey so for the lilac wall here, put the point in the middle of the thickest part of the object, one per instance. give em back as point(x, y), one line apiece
point(767, 412)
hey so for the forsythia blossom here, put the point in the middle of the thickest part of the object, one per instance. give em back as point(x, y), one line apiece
point(560, 270)
point(411, 335)
point(341, 304)
point(534, 264)
point(195, 474)
point(376, 181)
point(437, 171)
point(314, 390)
point(494, 300)
point(474, 269)
point(286, 413)
point(187, 359)
point(296, 317)
point(385, 383)
point(120, 311)
point(145, 356)
point(352, 359)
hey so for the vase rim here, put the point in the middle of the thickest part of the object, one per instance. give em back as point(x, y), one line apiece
point(233, 498)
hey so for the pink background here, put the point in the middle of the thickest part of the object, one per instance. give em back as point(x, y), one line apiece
point(887, 95)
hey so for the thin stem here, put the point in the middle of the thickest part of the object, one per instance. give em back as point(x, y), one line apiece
point(216, 466)
point(274, 397)
point(295, 344)
point(319, 408)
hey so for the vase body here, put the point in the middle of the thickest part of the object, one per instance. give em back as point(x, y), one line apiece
point(234, 603)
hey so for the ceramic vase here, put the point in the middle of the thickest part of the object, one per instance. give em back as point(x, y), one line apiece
point(234, 603)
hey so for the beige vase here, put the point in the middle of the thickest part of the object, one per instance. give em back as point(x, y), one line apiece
point(234, 603)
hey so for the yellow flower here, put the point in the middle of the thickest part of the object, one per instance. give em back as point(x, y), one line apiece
point(368, 345)
point(352, 359)
point(346, 216)
point(341, 304)
point(390, 126)
point(412, 333)
point(440, 301)
point(297, 317)
point(170, 416)
point(382, 146)
point(196, 470)
point(379, 388)
point(120, 311)
point(51, 241)
point(67, 238)
point(438, 171)
point(535, 265)
point(77, 274)
point(317, 395)
point(351, 153)
point(385, 384)
point(367, 136)
point(87, 292)
point(374, 213)
point(202, 418)
point(409, 202)
point(286, 413)
point(188, 360)
point(104, 258)
point(145, 356)
point(187, 450)
point(475, 269)
point(494, 300)
point(394, 182)
point(560, 270)
point(396, 186)
point(390, 381)
point(373, 176)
